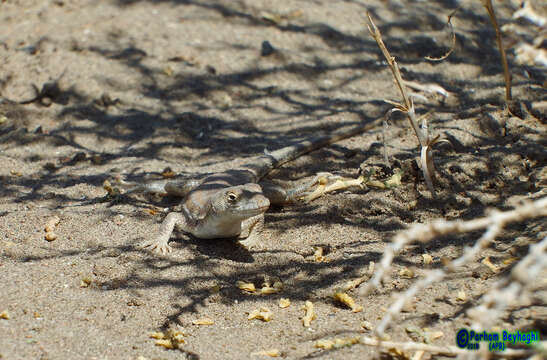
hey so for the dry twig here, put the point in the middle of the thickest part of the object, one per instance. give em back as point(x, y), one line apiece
point(426, 143)
point(453, 46)
point(426, 232)
point(494, 224)
point(507, 75)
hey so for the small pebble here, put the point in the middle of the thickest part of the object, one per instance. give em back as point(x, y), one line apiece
point(267, 48)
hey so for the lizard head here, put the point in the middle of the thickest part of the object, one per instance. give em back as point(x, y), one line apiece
point(241, 202)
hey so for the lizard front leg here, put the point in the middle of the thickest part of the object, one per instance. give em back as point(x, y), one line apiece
point(160, 243)
point(251, 231)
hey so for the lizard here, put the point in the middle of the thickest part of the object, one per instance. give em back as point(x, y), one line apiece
point(232, 203)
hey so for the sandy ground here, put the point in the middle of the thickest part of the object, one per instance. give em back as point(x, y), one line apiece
point(141, 86)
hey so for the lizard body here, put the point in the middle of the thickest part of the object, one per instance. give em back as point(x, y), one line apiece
point(231, 203)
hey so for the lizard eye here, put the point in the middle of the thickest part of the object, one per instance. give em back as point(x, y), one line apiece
point(232, 197)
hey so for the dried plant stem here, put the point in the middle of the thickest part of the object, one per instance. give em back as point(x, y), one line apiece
point(453, 46)
point(428, 169)
point(490, 9)
point(426, 232)
point(426, 157)
point(408, 105)
point(494, 224)
point(434, 276)
point(505, 292)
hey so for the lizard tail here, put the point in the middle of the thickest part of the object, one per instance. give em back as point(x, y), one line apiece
point(265, 163)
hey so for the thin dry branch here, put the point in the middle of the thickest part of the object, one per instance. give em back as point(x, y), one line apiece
point(434, 276)
point(506, 291)
point(515, 289)
point(426, 232)
point(408, 106)
point(426, 157)
point(453, 46)
point(507, 75)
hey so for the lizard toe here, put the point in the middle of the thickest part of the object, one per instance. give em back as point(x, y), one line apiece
point(158, 247)
point(249, 243)
point(163, 249)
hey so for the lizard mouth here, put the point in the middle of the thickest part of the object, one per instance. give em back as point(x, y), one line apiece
point(251, 211)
